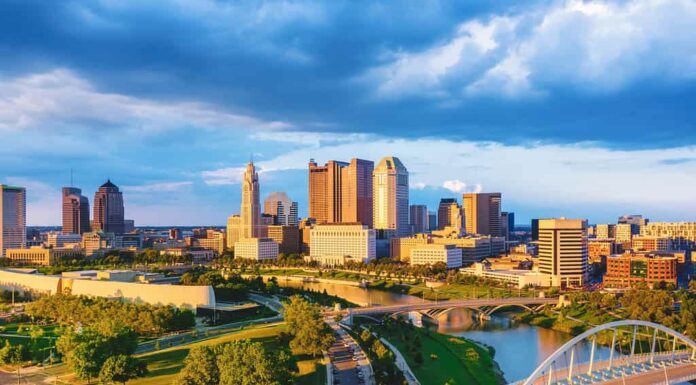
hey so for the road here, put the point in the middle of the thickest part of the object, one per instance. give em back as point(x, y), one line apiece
point(676, 374)
point(351, 366)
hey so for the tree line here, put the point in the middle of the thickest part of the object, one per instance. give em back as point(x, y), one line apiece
point(143, 319)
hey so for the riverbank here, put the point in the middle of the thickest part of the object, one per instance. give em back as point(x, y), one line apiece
point(437, 358)
point(450, 291)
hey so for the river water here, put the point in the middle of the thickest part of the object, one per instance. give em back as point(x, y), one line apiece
point(520, 348)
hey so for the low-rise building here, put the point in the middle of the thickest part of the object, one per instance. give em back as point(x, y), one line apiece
point(259, 249)
point(198, 254)
point(599, 249)
point(630, 269)
point(97, 241)
point(117, 275)
point(61, 240)
point(287, 238)
point(651, 243)
point(474, 248)
point(335, 244)
point(431, 254)
point(215, 244)
point(41, 256)
point(517, 278)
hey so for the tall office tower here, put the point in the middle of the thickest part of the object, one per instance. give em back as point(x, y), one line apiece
point(356, 192)
point(283, 209)
point(108, 209)
point(505, 224)
point(432, 220)
point(563, 250)
point(250, 213)
point(233, 224)
point(390, 197)
point(341, 192)
point(13, 218)
point(418, 218)
point(482, 213)
point(535, 229)
point(75, 211)
point(450, 214)
point(443, 217)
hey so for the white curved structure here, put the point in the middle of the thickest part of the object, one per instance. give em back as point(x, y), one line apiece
point(546, 368)
point(175, 295)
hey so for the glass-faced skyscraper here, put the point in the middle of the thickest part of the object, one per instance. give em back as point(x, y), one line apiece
point(250, 213)
point(13, 218)
point(108, 209)
point(390, 197)
point(75, 211)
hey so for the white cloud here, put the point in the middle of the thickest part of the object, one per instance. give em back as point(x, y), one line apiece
point(599, 46)
point(158, 187)
point(456, 186)
point(61, 98)
point(223, 176)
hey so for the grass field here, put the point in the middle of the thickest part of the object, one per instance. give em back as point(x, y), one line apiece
point(446, 359)
point(164, 365)
point(450, 291)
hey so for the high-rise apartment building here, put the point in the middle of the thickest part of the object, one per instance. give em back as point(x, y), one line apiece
point(482, 213)
point(449, 214)
point(605, 231)
point(13, 218)
point(282, 208)
point(108, 209)
point(418, 218)
point(75, 211)
point(563, 250)
point(341, 192)
point(390, 197)
point(682, 234)
point(250, 213)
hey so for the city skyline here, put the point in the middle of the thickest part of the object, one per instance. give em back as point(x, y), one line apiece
point(477, 99)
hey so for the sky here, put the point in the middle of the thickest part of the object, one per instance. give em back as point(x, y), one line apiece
point(568, 108)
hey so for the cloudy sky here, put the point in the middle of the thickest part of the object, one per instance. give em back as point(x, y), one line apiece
point(569, 108)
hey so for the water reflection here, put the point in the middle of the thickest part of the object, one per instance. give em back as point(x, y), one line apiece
point(520, 348)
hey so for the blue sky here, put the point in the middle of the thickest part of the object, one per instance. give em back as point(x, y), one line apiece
point(569, 108)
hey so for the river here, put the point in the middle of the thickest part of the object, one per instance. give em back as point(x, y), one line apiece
point(520, 348)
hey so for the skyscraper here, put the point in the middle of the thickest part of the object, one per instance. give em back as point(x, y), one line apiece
point(507, 223)
point(449, 214)
point(108, 209)
point(283, 209)
point(432, 220)
point(482, 213)
point(13, 218)
point(250, 213)
point(341, 192)
point(390, 197)
point(75, 211)
point(563, 250)
point(418, 218)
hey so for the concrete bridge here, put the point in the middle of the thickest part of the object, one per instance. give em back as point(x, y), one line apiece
point(433, 309)
point(670, 358)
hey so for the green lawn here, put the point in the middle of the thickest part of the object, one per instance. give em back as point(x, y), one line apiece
point(164, 365)
point(446, 359)
point(450, 291)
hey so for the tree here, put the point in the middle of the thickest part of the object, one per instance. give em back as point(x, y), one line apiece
point(306, 325)
point(248, 363)
point(200, 368)
point(121, 368)
point(14, 355)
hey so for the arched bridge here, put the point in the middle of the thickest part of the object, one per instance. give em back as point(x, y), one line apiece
point(641, 353)
point(435, 308)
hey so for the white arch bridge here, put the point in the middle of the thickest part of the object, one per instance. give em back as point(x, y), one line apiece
point(641, 353)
